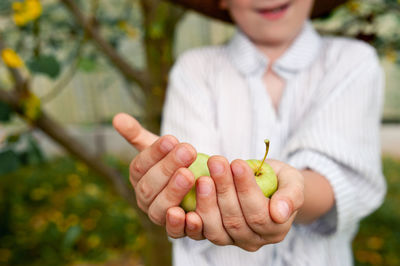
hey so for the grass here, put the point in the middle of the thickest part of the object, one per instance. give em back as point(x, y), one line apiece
point(60, 212)
point(378, 240)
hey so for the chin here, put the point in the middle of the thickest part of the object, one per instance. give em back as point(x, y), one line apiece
point(272, 37)
point(271, 40)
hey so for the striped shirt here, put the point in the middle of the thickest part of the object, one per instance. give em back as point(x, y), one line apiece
point(328, 120)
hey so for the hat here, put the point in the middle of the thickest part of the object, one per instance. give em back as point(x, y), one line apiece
point(211, 8)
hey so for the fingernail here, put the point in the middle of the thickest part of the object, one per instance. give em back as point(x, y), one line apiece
point(283, 209)
point(173, 220)
point(216, 168)
point(203, 188)
point(237, 170)
point(166, 145)
point(181, 181)
point(183, 155)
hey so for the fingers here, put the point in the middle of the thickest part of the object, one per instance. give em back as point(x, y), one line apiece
point(194, 226)
point(150, 156)
point(157, 177)
point(178, 186)
point(252, 201)
point(175, 225)
point(207, 209)
point(230, 208)
point(290, 194)
point(255, 207)
point(133, 132)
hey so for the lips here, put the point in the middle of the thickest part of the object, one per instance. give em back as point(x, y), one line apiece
point(274, 13)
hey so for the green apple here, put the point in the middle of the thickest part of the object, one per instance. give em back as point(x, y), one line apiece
point(263, 173)
point(199, 168)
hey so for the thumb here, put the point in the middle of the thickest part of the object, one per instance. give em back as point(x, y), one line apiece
point(133, 132)
point(290, 194)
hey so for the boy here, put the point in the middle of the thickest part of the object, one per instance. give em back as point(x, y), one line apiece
point(319, 102)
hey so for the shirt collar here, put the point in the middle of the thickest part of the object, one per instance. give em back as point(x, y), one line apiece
point(250, 61)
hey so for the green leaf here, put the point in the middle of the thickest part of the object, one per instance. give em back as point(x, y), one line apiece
point(35, 154)
point(45, 64)
point(5, 7)
point(13, 138)
point(8, 161)
point(5, 112)
point(87, 64)
point(156, 30)
point(72, 235)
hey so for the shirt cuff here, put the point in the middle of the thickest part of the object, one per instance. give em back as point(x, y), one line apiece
point(340, 217)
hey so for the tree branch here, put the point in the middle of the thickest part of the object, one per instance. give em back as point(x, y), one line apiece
point(125, 68)
point(58, 134)
point(157, 240)
point(148, 9)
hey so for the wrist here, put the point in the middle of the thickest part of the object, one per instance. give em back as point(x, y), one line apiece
point(318, 197)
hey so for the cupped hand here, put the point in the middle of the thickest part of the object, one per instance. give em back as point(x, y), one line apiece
point(159, 172)
point(232, 210)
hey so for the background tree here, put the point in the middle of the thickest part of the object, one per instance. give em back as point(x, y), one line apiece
point(77, 25)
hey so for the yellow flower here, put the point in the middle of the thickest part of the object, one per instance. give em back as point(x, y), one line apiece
point(391, 55)
point(31, 106)
point(26, 11)
point(92, 190)
point(11, 58)
point(5, 254)
point(38, 193)
point(122, 24)
point(89, 224)
point(375, 243)
point(353, 6)
point(128, 29)
point(93, 241)
point(82, 168)
point(74, 180)
point(71, 220)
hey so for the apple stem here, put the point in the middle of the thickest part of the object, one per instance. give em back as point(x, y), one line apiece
point(266, 141)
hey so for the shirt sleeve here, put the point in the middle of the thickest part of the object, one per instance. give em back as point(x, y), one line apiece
point(340, 139)
point(189, 109)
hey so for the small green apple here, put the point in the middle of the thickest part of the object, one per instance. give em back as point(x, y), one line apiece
point(263, 173)
point(199, 168)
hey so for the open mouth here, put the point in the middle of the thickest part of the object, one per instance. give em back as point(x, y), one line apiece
point(275, 12)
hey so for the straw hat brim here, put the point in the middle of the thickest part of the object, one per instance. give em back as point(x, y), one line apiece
point(210, 8)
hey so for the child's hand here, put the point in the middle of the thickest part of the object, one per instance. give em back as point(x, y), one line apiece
point(231, 209)
point(158, 173)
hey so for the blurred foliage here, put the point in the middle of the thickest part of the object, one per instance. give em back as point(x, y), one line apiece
point(19, 149)
point(59, 212)
point(54, 40)
point(374, 21)
point(378, 240)
point(49, 39)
